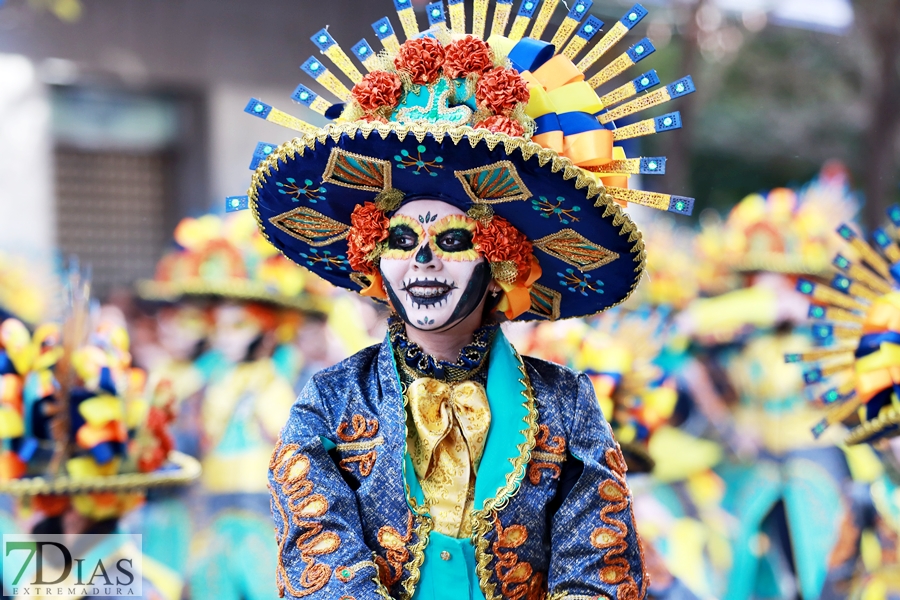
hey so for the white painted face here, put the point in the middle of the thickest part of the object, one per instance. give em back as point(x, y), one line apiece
point(434, 276)
point(235, 330)
point(181, 330)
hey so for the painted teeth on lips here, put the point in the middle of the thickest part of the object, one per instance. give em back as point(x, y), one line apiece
point(429, 288)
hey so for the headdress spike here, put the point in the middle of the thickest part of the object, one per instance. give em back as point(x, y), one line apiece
point(630, 57)
point(364, 52)
point(407, 18)
point(457, 16)
point(612, 37)
point(676, 204)
point(571, 22)
point(543, 18)
point(479, 18)
point(658, 124)
point(436, 15)
point(236, 203)
point(260, 109)
point(385, 33)
point(639, 84)
point(310, 99)
point(680, 88)
point(523, 18)
point(330, 48)
point(502, 10)
point(590, 28)
point(315, 69)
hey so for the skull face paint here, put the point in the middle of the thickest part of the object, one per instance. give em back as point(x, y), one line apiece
point(434, 276)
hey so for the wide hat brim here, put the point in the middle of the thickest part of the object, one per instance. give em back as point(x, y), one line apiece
point(590, 252)
point(180, 469)
point(231, 289)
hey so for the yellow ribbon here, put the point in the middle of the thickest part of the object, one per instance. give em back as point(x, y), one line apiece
point(446, 444)
point(880, 370)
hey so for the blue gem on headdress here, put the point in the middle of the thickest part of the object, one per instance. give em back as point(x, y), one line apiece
point(812, 376)
point(236, 203)
point(401, 4)
point(435, 12)
point(645, 81)
point(894, 214)
point(793, 358)
point(682, 87)
point(831, 396)
point(362, 49)
point(590, 28)
point(822, 332)
point(805, 287)
point(641, 50)
point(263, 149)
point(845, 232)
point(527, 9)
point(820, 428)
point(304, 95)
point(452, 2)
point(668, 121)
point(323, 40)
point(655, 165)
point(881, 238)
point(634, 16)
point(313, 68)
point(258, 108)
point(383, 28)
point(841, 283)
point(841, 263)
point(681, 205)
point(580, 8)
point(816, 312)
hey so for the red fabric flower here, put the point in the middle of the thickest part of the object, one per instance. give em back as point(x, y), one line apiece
point(378, 89)
point(501, 124)
point(422, 58)
point(368, 227)
point(500, 90)
point(499, 241)
point(467, 55)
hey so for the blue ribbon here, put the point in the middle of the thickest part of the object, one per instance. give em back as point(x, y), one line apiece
point(871, 342)
point(529, 54)
point(573, 123)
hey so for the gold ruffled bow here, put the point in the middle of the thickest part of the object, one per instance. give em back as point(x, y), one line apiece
point(450, 427)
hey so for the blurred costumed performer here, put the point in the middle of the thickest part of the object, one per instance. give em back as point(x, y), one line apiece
point(785, 489)
point(853, 378)
point(464, 182)
point(252, 299)
point(83, 439)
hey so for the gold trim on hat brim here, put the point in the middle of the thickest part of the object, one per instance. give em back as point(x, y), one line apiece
point(866, 431)
point(233, 289)
point(188, 470)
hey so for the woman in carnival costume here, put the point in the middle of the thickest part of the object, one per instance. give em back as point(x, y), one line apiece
point(465, 182)
point(853, 378)
point(253, 300)
point(785, 489)
point(85, 439)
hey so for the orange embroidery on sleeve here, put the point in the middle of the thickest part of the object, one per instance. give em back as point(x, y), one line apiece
point(550, 454)
point(290, 469)
point(390, 570)
point(616, 569)
point(517, 579)
point(360, 437)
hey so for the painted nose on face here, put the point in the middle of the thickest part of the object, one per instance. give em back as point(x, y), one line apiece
point(424, 257)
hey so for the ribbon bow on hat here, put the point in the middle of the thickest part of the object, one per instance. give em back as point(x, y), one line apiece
point(452, 423)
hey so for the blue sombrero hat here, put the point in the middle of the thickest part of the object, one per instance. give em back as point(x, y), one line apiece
point(509, 127)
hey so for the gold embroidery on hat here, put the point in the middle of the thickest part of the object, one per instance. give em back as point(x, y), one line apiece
point(357, 172)
point(545, 302)
point(310, 226)
point(492, 184)
point(573, 248)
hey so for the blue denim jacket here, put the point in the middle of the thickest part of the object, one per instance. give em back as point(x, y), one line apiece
point(553, 513)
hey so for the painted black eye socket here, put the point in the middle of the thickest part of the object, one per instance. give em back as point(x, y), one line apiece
point(402, 237)
point(455, 240)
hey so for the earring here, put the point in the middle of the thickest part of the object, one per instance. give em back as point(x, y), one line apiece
point(494, 294)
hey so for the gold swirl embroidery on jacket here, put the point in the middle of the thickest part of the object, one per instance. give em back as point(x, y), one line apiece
point(390, 566)
point(550, 453)
point(360, 437)
point(517, 579)
point(290, 469)
point(616, 569)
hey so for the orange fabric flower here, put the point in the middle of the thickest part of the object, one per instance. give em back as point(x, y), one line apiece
point(501, 124)
point(422, 58)
point(378, 89)
point(368, 227)
point(499, 241)
point(500, 90)
point(467, 55)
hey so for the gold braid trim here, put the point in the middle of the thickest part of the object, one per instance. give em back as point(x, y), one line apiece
point(584, 180)
point(482, 519)
point(424, 525)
